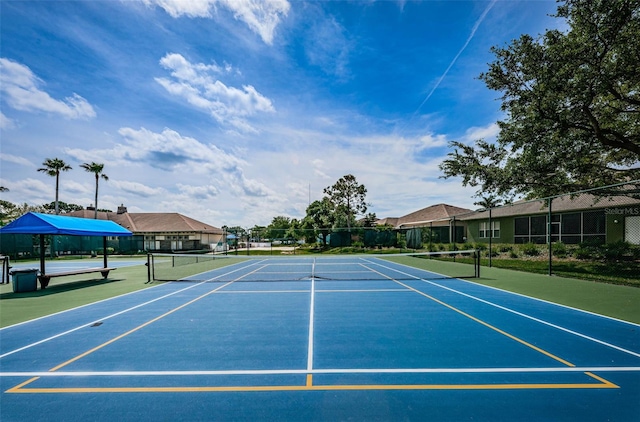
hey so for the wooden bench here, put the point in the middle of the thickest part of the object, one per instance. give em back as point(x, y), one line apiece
point(45, 278)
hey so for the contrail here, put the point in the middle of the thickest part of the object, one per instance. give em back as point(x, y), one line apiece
point(473, 32)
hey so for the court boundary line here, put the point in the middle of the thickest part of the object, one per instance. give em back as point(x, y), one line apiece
point(79, 307)
point(535, 319)
point(28, 346)
point(511, 292)
point(603, 383)
point(538, 320)
point(310, 386)
point(498, 370)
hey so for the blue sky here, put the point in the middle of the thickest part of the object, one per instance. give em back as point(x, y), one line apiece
point(236, 111)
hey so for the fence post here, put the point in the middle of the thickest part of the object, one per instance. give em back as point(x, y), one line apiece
point(490, 235)
point(549, 239)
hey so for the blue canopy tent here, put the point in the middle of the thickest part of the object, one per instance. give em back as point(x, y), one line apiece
point(43, 224)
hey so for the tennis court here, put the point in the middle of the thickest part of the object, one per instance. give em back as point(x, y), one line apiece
point(311, 339)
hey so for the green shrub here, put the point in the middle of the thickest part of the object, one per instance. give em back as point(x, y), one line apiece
point(530, 249)
point(616, 251)
point(583, 253)
point(505, 248)
point(559, 250)
point(480, 246)
point(513, 254)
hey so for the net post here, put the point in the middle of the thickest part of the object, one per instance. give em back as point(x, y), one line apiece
point(148, 267)
point(477, 259)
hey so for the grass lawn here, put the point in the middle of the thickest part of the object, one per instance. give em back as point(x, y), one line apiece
point(68, 292)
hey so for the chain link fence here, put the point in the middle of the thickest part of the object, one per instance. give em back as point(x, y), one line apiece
point(594, 233)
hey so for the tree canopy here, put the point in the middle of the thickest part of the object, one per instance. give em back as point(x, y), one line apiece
point(348, 198)
point(96, 169)
point(53, 167)
point(572, 107)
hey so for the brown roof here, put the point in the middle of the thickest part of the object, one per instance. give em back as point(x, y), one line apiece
point(430, 214)
point(391, 221)
point(581, 202)
point(152, 222)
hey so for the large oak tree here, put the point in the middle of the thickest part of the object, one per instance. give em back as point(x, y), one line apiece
point(572, 107)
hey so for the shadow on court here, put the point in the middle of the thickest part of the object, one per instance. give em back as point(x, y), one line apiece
point(60, 288)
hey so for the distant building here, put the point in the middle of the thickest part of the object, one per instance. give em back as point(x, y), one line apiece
point(440, 219)
point(160, 231)
point(572, 219)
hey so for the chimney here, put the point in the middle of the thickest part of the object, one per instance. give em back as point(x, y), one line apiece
point(122, 209)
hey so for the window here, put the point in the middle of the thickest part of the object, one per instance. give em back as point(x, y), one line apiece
point(495, 230)
point(570, 228)
point(485, 231)
point(571, 223)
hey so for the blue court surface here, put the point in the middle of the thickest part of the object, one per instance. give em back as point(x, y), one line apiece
point(404, 346)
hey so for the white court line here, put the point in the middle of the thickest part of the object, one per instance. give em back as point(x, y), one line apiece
point(325, 371)
point(311, 318)
point(94, 321)
point(567, 330)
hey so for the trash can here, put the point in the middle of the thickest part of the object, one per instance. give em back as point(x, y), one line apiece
point(24, 280)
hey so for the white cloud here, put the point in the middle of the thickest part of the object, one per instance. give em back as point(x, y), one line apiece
point(200, 192)
point(30, 187)
point(78, 188)
point(328, 47)
point(432, 141)
point(197, 85)
point(20, 89)
point(169, 150)
point(15, 159)
point(136, 188)
point(190, 8)
point(6, 122)
point(180, 156)
point(262, 17)
point(488, 132)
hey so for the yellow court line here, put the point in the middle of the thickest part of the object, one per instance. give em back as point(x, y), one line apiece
point(113, 340)
point(307, 387)
point(602, 380)
point(486, 324)
point(17, 388)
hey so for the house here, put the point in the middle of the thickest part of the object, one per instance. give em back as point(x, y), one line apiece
point(160, 231)
point(570, 219)
point(441, 219)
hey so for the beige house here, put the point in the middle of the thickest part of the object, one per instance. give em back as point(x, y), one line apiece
point(161, 231)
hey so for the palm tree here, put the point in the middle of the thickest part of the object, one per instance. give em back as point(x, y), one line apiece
point(53, 167)
point(3, 189)
point(95, 168)
point(487, 202)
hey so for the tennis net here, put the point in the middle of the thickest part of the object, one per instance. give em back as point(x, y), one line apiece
point(225, 268)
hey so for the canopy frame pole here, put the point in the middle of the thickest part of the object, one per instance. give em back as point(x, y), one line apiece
point(42, 253)
point(104, 251)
